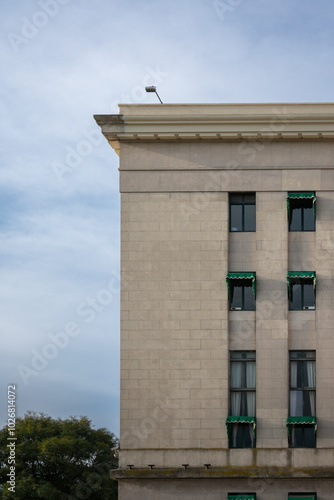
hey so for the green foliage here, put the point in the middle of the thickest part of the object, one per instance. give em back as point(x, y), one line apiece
point(59, 460)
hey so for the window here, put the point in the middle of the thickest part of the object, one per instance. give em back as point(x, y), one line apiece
point(301, 211)
point(302, 422)
point(242, 212)
point(241, 423)
point(302, 496)
point(241, 496)
point(301, 290)
point(241, 291)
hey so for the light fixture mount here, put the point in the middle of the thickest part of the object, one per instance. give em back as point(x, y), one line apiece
point(152, 88)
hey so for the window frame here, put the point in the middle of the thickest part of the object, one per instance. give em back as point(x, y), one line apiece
point(302, 495)
point(245, 357)
point(243, 204)
point(301, 357)
point(306, 198)
point(241, 280)
point(244, 428)
point(301, 443)
point(243, 307)
point(302, 281)
point(230, 496)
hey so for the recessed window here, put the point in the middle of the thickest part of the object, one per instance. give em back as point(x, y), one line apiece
point(241, 496)
point(302, 422)
point(241, 423)
point(242, 212)
point(301, 211)
point(302, 496)
point(241, 291)
point(301, 290)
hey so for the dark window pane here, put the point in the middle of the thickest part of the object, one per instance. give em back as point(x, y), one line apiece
point(249, 436)
point(309, 222)
point(296, 436)
point(296, 296)
point(236, 218)
point(242, 212)
point(307, 203)
point(249, 211)
point(309, 404)
point(301, 215)
point(250, 354)
point(236, 198)
point(296, 218)
point(309, 436)
point(249, 299)
point(303, 436)
point(243, 412)
point(242, 436)
point(302, 354)
point(236, 296)
point(249, 198)
point(236, 354)
point(300, 366)
point(309, 295)
point(237, 436)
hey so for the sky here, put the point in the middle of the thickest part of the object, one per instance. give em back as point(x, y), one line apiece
point(62, 61)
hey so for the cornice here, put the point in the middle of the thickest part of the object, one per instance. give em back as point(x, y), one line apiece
point(218, 122)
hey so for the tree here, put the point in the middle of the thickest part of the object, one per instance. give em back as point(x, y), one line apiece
point(57, 460)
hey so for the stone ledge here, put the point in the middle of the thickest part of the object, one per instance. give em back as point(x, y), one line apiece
point(238, 122)
point(223, 473)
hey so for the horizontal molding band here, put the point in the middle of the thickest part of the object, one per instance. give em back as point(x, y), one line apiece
point(223, 473)
point(219, 122)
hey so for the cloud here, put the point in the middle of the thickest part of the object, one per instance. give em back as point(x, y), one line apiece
point(59, 224)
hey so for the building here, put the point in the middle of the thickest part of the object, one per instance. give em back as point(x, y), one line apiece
point(227, 265)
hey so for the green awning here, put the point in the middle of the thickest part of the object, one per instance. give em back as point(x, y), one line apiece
point(301, 497)
point(301, 421)
point(239, 420)
point(307, 195)
point(241, 497)
point(300, 275)
point(240, 276)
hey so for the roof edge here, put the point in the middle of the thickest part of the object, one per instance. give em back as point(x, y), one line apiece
point(242, 122)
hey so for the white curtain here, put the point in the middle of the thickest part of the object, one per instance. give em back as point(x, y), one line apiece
point(310, 369)
point(296, 404)
point(236, 375)
point(236, 404)
point(294, 410)
point(293, 373)
point(250, 375)
point(236, 372)
point(251, 404)
point(312, 403)
point(236, 382)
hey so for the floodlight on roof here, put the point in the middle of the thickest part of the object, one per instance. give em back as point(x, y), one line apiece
point(152, 88)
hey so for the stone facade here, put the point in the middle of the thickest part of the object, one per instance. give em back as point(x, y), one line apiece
point(178, 164)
